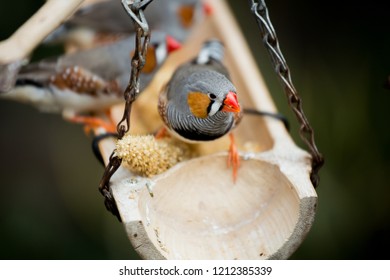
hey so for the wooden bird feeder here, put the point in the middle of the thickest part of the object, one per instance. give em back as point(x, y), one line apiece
point(196, 211)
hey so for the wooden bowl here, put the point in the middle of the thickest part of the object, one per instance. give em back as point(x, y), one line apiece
point(196, 211)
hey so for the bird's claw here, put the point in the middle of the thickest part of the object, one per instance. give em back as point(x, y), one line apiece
point(91, 123)
point(161, 133)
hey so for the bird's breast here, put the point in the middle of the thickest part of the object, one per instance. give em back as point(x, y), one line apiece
point(192, 128)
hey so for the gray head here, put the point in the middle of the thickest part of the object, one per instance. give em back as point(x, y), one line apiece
point(210, 92)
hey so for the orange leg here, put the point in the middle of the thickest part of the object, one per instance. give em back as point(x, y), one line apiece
point(161, 133)
point(111, 118)
point(93, 122)
point(234, 157)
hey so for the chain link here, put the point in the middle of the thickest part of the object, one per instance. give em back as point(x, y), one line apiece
point(142, 39)
point(268, 34)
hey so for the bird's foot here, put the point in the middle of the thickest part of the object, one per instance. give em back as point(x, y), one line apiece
point(161, 133)
point(91, 123)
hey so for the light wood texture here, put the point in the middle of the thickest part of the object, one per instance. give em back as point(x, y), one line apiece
point(15, 50)
point(196, 211)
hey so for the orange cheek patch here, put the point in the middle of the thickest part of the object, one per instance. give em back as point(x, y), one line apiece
point(151, 60)
point(198, 103)
point(186, 15)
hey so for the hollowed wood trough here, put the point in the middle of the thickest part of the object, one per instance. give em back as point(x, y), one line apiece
point(196, 211)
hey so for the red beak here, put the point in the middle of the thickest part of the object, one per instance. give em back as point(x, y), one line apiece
point(208, 9)
point(172, 44)
point(230, 104)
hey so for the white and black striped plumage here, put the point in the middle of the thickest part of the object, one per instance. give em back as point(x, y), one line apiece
point(86, 81)
point(96, 21)
point(200, 103)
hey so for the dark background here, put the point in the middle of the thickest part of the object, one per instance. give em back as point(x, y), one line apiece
point(339, 58)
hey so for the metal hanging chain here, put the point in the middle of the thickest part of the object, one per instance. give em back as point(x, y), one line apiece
point(136, 11)
point(260, 11)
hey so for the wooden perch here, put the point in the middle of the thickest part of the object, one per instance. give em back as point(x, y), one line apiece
point(33, 31)
point(196, 211)
point(15, 50)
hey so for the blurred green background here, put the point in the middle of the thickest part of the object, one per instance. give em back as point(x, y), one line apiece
point(339, 58)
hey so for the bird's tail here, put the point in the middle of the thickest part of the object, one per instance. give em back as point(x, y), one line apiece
point(211, 50)
point(57, 36)
point(9, 73)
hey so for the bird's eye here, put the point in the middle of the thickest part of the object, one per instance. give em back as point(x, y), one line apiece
point(212, 96)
